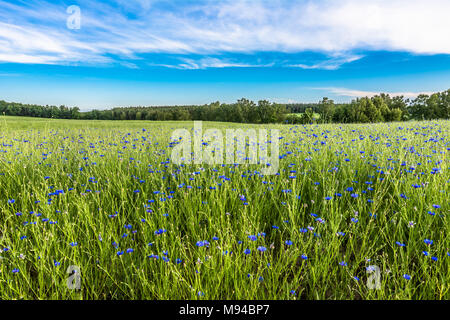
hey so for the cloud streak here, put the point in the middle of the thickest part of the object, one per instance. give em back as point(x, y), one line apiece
point(361, 93)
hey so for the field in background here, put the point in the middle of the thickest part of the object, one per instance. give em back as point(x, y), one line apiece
point(105, 197)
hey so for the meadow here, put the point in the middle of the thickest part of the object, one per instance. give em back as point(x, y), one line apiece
point(356, 211)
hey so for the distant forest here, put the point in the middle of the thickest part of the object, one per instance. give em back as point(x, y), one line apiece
point(380, 108)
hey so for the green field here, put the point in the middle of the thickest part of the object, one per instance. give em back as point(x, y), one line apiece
point(104, 196)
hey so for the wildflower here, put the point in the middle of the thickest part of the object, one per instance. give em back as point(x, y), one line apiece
point(288, 242)
point(407, 276)
point(247, 251)
point(428, 242)
point(203, 243)
point(262, 248)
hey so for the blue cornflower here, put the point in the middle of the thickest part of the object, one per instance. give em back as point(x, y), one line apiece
point(203, 243)
point(407, 276)
point(247, 251)
point(252, 238)
point(288, 242)
point(428, 242)
point(262, 248)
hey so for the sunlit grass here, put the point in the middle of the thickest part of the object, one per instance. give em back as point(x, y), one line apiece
point(101, 176)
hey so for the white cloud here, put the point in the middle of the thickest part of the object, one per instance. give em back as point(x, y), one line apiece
point(361, 93)
point(329, 64)
point(36, 32)
point(208, 62)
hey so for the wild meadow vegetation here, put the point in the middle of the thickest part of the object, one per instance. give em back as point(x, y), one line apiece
point(348, 200)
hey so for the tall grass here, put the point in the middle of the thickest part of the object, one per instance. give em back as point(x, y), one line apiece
point(113, 187)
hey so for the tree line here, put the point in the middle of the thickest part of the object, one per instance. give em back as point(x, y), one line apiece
point(379, 108)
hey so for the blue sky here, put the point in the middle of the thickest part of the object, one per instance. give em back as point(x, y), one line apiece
point(155, 52)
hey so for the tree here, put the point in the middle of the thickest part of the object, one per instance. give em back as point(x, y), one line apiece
point(326, 109)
